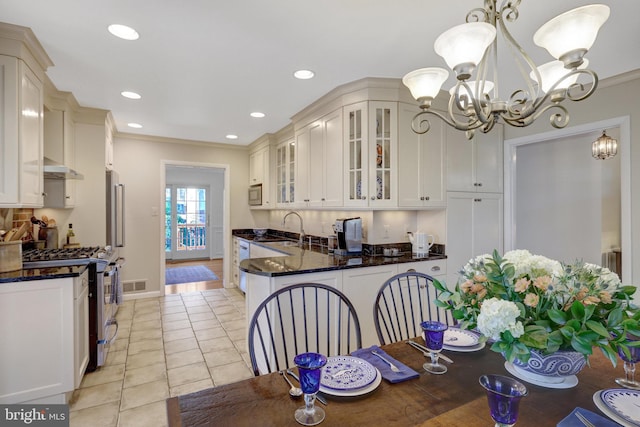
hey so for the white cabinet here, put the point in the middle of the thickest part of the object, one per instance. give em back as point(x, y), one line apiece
point(421, 162)
point(259, 166)
point(370, 154)
point(361, 285)
point(21, 126)
point(285, 173)
point(37, 352)
point(80, 327)
point(475, 165)
point(474, 227)
point(319, 162)
point(108, 146)
point(259, 174)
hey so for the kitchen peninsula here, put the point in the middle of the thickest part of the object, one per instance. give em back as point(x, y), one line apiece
point(280, 262)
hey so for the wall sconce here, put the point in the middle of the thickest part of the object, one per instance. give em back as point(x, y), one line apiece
point(604, 147)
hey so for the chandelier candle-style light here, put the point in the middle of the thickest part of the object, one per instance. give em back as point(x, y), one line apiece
point(470, 50)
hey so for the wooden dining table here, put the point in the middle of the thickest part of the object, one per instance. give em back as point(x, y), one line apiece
point(452, 399)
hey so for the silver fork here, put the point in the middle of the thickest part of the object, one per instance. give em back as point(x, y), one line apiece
point(584, 420)
point(393, 367)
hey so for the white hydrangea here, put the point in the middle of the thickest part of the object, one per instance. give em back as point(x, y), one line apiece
point(497, 316)
point(524, 263)
point(607, 279)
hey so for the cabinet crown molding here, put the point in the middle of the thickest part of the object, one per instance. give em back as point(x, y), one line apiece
point(21, 42)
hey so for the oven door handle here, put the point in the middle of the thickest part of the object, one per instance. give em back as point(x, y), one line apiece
point(113, 321)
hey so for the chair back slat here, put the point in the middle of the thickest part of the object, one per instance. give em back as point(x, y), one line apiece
point(301, 318)
point(403, 302)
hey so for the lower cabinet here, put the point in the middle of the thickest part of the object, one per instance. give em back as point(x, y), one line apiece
point(44, 334)
point(360, 285)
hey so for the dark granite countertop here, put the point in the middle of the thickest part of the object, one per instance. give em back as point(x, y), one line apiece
point(41, 273)
point(305, 260)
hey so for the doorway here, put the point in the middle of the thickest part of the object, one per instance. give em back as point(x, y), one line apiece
point(195, 224)
point(548, 199)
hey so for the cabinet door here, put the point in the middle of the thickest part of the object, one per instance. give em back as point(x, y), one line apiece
point(31, 137)
point(421, 162)
point(313, 171)
point(460, 161)
point(256, 167)
point(81, 332)
point(489, 160)
point(474, 227)
point(383, 138)
point(332, 156)
point(356, 155)
point(285, 173)
point(361, 286)
point(9, 131)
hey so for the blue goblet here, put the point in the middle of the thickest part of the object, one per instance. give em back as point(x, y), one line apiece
point(630, 365)
point(434, 339)
point(504, 396)
point(310, 370)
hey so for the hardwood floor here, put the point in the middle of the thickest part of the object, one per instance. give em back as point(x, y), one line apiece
point(214, 265)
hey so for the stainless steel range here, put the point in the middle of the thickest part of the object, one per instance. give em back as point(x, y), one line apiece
point(105, 290)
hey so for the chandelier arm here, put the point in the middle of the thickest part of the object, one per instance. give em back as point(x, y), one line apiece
point(558, 119)
point(509, 12)
point(422, 125)
point(482, 113)
point(582, 94)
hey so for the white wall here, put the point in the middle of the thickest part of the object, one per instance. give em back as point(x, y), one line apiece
point(139, 162)
point(610, 101)
point(563, 195)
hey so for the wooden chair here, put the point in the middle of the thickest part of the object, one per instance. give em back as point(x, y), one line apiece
point(305, 317)
point(403, 302)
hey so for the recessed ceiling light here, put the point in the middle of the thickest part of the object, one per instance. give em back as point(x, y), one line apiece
point(304, 74)
point(257, 114)
point(130, 95)
point(231, 136)
point(134, 125)
point(123, 32)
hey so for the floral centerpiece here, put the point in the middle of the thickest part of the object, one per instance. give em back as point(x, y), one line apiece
point(525, 302)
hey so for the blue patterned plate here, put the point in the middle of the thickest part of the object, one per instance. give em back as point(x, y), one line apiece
point(347, 373)
point(454, 337)
point(620, 404)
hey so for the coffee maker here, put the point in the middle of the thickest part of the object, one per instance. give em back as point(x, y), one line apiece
point(349, 232)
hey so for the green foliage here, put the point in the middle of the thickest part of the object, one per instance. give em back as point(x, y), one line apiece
point(575, 306)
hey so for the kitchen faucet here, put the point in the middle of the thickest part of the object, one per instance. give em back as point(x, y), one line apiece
point(302, 234)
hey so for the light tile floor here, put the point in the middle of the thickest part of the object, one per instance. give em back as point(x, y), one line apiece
point(166, 347)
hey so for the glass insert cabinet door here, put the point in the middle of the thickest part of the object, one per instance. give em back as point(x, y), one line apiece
point(186, 222)
point(285, 172)
point(370, 149)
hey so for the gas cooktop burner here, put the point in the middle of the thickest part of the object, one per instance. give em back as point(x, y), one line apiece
point(59, 254)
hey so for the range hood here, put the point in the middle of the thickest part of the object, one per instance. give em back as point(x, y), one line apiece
point(53, 170)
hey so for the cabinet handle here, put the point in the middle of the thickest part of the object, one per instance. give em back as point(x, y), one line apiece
point(435, 268)
point(426, 198)
point(477, 200)
point(323, 199)
point(479, 184)
point(422, 286)
point(363, 198)
point(422, 198)
point(411, 270)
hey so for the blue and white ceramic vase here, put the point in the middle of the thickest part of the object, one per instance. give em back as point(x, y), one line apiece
point(551, 368)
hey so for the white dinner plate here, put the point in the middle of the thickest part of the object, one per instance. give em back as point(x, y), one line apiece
point(620, 404)
point(347, 373)
point(454, 337)
point(353, 393)
point(470, 349)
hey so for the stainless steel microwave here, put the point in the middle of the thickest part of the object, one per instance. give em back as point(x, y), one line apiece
point(255, 195)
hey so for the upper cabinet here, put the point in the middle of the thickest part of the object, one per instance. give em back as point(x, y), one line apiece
point(23, 63)
point(475, 165)
point(59, 148)
point(319, 162)
point(21, 127)
point(421, 162)
point(285, 173)
point(259, 166)
point(370, 154)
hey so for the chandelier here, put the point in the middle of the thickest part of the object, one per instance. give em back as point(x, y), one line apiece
point(604, 147)
point(470, 50)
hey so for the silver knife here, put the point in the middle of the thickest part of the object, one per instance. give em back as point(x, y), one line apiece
point(320, 398)
point(425, 351)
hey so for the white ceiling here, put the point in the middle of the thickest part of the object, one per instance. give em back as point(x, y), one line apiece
point(202, 66)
